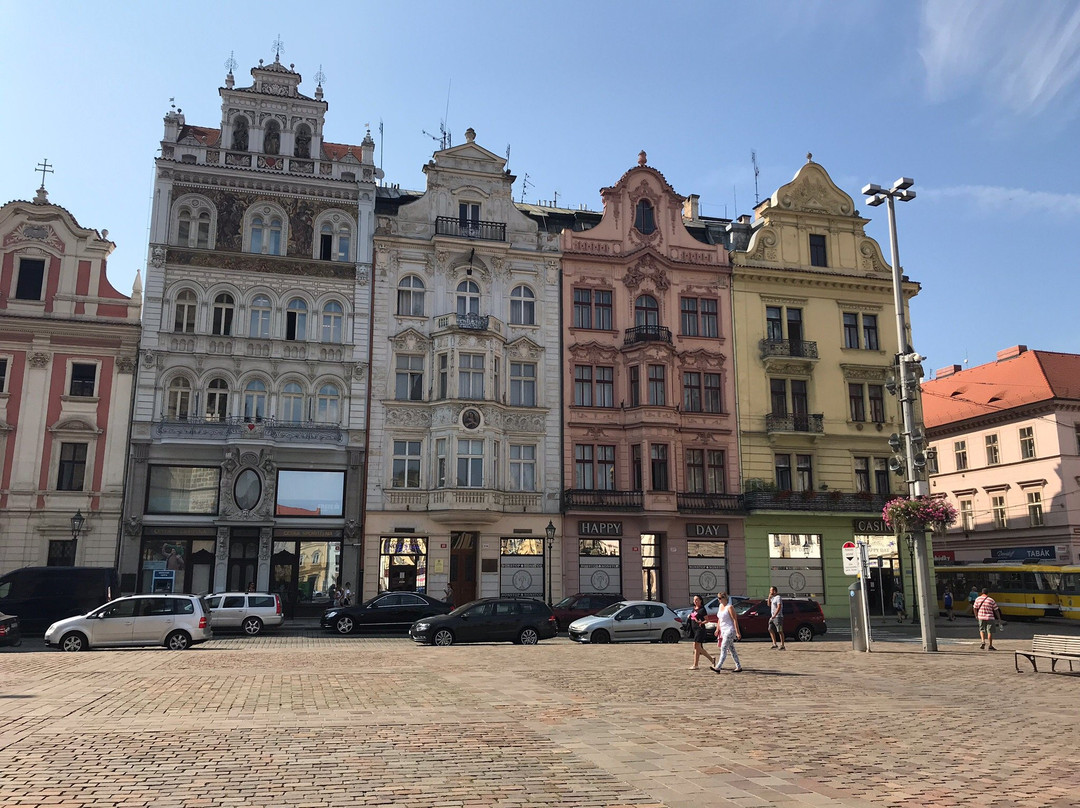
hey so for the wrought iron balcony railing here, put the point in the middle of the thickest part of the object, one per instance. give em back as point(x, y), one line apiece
point(465, 228)
point(255, 427)
point(840, 501)
point(690, 502)
point(789, 347)
point(799, 422)
point(647, 333)
point(603, 500)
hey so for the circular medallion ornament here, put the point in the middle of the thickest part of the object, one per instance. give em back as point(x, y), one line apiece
point(248, 489)
point(707, 581)
point(522, 580)
point(797, 582)
point(470, 418)
point(600, 581)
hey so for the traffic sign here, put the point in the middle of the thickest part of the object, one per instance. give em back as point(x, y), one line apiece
point(851, 558)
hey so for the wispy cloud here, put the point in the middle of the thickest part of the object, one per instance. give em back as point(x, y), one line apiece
point(1015, 201)
point(1024, 57)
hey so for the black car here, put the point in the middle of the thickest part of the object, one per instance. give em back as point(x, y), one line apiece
point(519, 620)
point(9, 630)
point(390, 611)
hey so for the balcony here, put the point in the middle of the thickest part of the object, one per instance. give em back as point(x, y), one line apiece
point(453, 505)
point(237, 427)
point(800, 422)
point(470, 322)
point(597, 500)
point(459, 228)
point(826, 501)
point(708, 503)
point(646, 333)
point(788, 348)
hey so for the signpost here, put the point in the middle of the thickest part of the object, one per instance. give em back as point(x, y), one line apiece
point(851, 558)
point(857, 562)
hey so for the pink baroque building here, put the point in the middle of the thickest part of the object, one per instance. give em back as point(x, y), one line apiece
point(650, 440)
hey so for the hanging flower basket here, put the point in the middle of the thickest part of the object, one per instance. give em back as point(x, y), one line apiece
point(905, 515)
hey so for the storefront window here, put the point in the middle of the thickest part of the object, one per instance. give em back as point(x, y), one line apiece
point(795, 565)
point(310, 493)
point(177, 565)
point(403, 564)
point(521, 568)
point(599, 566)
point(707, 562)
point(182, 489)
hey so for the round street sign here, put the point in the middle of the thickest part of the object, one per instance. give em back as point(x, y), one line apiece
point(851, 558)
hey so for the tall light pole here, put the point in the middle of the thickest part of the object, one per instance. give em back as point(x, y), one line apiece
point(77, 522)
point(550, 533)
point(913, 460)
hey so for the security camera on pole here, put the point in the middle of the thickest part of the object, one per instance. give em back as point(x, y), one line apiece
point(913, 460)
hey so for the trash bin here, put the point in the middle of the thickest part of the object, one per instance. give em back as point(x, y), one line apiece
point(858, 616)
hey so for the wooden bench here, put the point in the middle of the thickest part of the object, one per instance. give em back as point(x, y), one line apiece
point(1053, 647)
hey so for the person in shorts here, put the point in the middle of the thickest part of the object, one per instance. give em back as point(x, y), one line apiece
point(986, 612)
point(776, 619)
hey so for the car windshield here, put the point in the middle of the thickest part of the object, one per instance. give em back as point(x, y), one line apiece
point(565, 603)
point(744, 607)
point(611, 610)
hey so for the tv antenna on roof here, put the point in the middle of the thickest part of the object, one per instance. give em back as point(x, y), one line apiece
point(525, 184)
point(753, 159)
point(443, 139)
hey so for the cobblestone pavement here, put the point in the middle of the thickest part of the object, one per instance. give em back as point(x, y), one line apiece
point(309, 720)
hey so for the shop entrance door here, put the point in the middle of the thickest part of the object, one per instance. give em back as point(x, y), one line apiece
point(284, 572)
point(301, 572)
point(463, 549)
point(651, 572)
point(243, 559)
point(883, 582)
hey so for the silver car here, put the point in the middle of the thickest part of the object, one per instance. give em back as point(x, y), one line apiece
point(249, 611)
point(629, 620)
point(175, 621)
point(711, 606)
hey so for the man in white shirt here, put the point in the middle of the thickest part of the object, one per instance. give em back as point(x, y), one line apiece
point(776, 619)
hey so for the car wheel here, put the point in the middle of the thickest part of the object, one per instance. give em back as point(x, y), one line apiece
point(804, 633)
point(73, 641)
point(252, 626)
point(443, 637)
point(344, 625)
point(600, 637)
point(670, 635)
point(178, 641)
point(528, 636)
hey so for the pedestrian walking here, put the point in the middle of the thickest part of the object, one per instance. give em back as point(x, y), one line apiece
point(898, 605)
point(947, 600)
point(728, 632)
point(347, 594)
point(448, 593)
point(972, 596)
point(702, 632)
point(987, 613)
point(776, 619)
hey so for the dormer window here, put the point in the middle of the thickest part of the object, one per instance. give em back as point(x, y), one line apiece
point(644, 217)
point(240, 134)
point(302, 145)
point(272, 138)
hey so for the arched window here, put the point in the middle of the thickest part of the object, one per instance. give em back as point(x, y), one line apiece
point(257, 227)
point(272, 138)
point(410, 297)
point(254, 401)
point(179, 399)
point(644, 219)
point(240, 134)
point(223, 315)
point(292, 403)
point(184, 322)
point(302, 143)
point(183, 228)
point(343, 242)
point(326, 242)
point(217, 400)
point(315, 557)
point(296, 320)
point(274, 246)
point(332, 318)
point(202, 237)
point(468, 298)
point(260, 318)
point(328, 405)
point(334, 243)
point(522, 306)
point(646, 311)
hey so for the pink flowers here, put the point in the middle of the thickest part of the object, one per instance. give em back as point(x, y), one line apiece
point(904, 515)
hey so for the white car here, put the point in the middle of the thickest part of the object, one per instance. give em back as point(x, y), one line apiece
point(628, 620)
point(175, 621)
point(249, 611)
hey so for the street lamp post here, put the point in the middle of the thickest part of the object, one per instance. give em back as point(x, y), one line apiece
point(77, 522)
point(914, 590)
point(913, 461)
point(550, 532)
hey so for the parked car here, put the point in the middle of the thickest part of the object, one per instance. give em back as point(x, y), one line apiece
point(10, 634)
point(39, 596)
point(712, 606)
point(582, 604)
point(249, 611)
point(803, 618)
point(390, 611)
point(175, 621)
point(629, 620)
point(523, 621)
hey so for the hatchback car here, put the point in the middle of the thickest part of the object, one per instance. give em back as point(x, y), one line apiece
point(523, 621)
point(803, 618)
point(582, 604)
point(175, 621)
point(629, 620)
point(390, 611)
point(249, 611)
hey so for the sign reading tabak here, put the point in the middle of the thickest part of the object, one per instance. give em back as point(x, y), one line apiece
point(597, 528)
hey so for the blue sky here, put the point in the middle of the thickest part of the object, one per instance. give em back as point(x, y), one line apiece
point(977, 100)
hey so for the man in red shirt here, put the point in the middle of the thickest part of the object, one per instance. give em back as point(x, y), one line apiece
point(986, 611)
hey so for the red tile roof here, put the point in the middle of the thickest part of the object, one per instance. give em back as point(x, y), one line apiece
point(1030, 377)
point(336, 151)
point(203, 134)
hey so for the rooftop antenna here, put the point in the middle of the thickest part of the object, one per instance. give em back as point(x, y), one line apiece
point(278, 47)
point(735, 198)
point(555, 204)
point(231, 64)
point(507, 156)
point(380, 143)
point(753, 159)
point(524, 185)
point(443, 139)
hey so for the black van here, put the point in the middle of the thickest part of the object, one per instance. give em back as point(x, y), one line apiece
point(42, 595)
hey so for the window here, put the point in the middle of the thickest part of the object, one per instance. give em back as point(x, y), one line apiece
point(775, 319)
point(583, 389)
point(410, 297)
point(197, 236)
point(583, 308)
point(257, 228)
point(804, 471)
point(3, 374)
point(183, 489)
point(876, 392)
point(602, 310)
point(272, 138)
point(856, 404)
point(778, 396)
point(72, 467)
point(881, 475)
point(61, 553)
point(266, 235)
point(1027, 442)
point(695, 471)
point(658, 457)
point(440, 463)
point(522, 467)
point(710, 317)
point(713, 401)
point(184, 321)
point(646, 311)
point(635, 467)
point(259, 325)
point(217, 400)
point(296, 320)
point(715, 474)
point(240, 134)
point(699, 317)
point(960, 453)
point(870, 332)
point(993, 455)
point(997, 507)
point(644, 217)
point(657, 392)
point(326, 241)
point(851, 330)
point(409, 379)
point(605, 386)
point(470, 463)
point(689, 309)
point(584, 472)
point(406, 471)
point(223, 315)
point(471, 376)
point(782, 467)
point(302, 141)
point(333, 317)
point(443, 359)
point(522, 306)
point(635, 386)
point(468, 298)
point(522, 384)
point(862, 474)
point(292, 403)
point(83, 379)
point(967, 515)
point(328, 405)
point(468, 214)
point(774, 323)
point(795, 560)
point(692, 392)
point(344, 242)
point(179, 399)
point(1035, 509)
point(334, 242)
point(818, 258)
point(255, 401)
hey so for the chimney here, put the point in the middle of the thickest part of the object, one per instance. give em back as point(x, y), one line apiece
point(739, 233)
point(690, 210)
point(944, 373)
point(1011, 353)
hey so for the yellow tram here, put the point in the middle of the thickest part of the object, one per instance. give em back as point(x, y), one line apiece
point(1022, 591)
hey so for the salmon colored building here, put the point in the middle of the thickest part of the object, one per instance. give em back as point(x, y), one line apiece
point(651, 506)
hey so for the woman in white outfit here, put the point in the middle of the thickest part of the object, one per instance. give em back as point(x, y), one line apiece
point(728, 633)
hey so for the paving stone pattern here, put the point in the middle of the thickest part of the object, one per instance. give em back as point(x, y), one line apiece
point(310, 720)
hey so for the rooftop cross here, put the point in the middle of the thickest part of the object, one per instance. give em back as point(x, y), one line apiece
point(231, 63)
point(44, 168)
point(320, 77)
point(278, 47)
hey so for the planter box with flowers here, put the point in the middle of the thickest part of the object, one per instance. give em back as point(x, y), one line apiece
point(905, 515)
